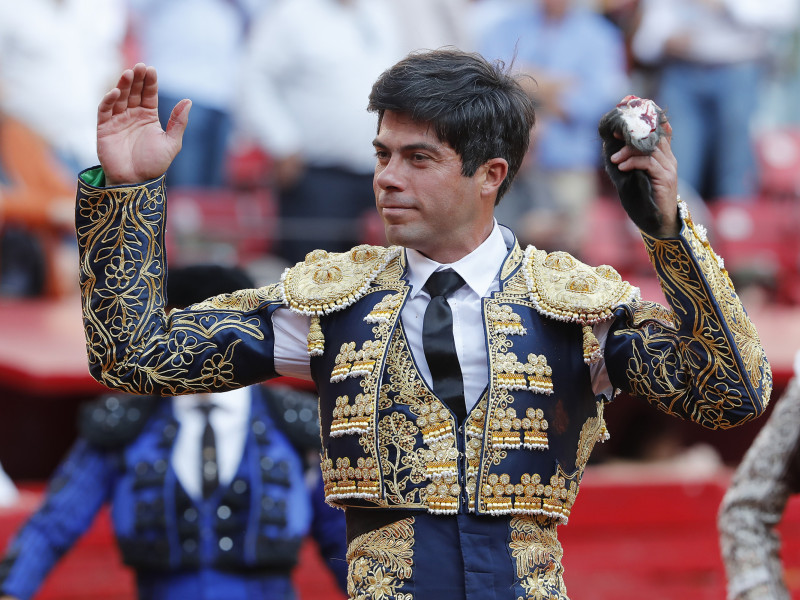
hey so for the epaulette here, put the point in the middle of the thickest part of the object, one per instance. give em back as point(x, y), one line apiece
point(328, 282)
point(296, 414)
point(563, 288)
point(115, 420)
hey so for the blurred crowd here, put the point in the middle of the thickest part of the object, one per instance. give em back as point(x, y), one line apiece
point(279, 87)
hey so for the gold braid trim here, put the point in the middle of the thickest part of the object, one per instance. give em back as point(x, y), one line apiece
point(563, 288)
point(325, 282)
point(677, 274)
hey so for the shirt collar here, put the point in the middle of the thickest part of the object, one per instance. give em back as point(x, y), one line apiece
point(232, 401)
point(478, 268)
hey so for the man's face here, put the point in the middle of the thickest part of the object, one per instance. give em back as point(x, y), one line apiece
point(424, 200)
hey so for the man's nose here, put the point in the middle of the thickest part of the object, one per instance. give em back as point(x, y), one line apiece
point(388, 176)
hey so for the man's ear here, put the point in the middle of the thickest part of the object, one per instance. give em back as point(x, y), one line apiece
point(496, 170)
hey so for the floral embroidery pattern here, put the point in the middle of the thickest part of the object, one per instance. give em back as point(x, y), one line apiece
point(537, 554)
point(380, 561)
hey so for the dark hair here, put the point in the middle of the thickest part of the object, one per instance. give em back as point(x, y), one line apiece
point(195, 283)
point(473, 105)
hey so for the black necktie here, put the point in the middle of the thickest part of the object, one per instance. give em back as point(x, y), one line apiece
point(208, 457)
point(438, 343)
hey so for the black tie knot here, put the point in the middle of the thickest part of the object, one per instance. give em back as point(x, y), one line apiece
point(206, 408)
point(443, 283)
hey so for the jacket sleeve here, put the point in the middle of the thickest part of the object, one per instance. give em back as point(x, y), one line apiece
point(133, 345)
point(701, 358)
point(75, 494)
point(755, 503)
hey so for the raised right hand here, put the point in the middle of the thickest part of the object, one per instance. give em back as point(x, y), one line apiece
point(131, 145)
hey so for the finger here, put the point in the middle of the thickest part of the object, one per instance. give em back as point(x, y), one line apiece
point(124, 87)
point(150, 88)
point(646, 162)
point(178, 119)
point(135, 94)
point(623, 154)
point(106, 106)
point(667, 130)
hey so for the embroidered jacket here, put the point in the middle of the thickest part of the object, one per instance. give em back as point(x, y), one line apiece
point(252, 527)
point(387, 440)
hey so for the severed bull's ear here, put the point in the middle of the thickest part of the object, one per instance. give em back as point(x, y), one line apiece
point(636, 122)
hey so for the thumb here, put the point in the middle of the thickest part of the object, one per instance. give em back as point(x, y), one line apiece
point(178, 120)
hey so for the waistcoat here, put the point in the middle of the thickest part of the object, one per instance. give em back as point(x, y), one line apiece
point(389, 442)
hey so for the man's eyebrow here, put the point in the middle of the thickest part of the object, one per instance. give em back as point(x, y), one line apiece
point(410, 147)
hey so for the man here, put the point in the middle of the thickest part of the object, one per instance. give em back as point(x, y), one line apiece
point(756, 500)
point(454, 470)
point(195, 516)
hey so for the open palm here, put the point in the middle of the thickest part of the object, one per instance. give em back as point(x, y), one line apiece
point(131, 145)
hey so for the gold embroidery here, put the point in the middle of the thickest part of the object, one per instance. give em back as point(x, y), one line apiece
point(473, 442)
point(380, 561)
point(423, 450)
point(652, 311)
point(352, 363)
point(385, 309)
point(530, 495)
point(504, 320)
point(537, 554)
point(593, 431)
point(511, 374)
point(325, 282)
point(508, 431)
point(565, 289)
point(355, 418)
point(710, 356)
point(346, 481)
point(591, 347)
point(315, 340)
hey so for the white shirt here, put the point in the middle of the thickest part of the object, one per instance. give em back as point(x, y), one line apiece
point(57, 60)
point(481, 272)
point(309, 68)
point(736, 31)
point(196, 45)
point(229, 419)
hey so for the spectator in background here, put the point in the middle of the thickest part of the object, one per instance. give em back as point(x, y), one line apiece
point(47, 45)
point(756, 500)
point(710, 57)
point(430, 24)
point(576, 60)
point(194, 517)
point(310, 64)
point(198, 46)
point(37, 204)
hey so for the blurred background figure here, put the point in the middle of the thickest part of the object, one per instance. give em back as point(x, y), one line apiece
point(756, 500)
point(710, 58)
point(431, 24)
point(576, 62)
point(46, 44)
point(197, 46)
point(37, 202)
point(45, 140)
point(209, 496)
point(310, 65)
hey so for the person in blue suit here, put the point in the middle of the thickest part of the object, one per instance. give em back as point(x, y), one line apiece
point(194, 519)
